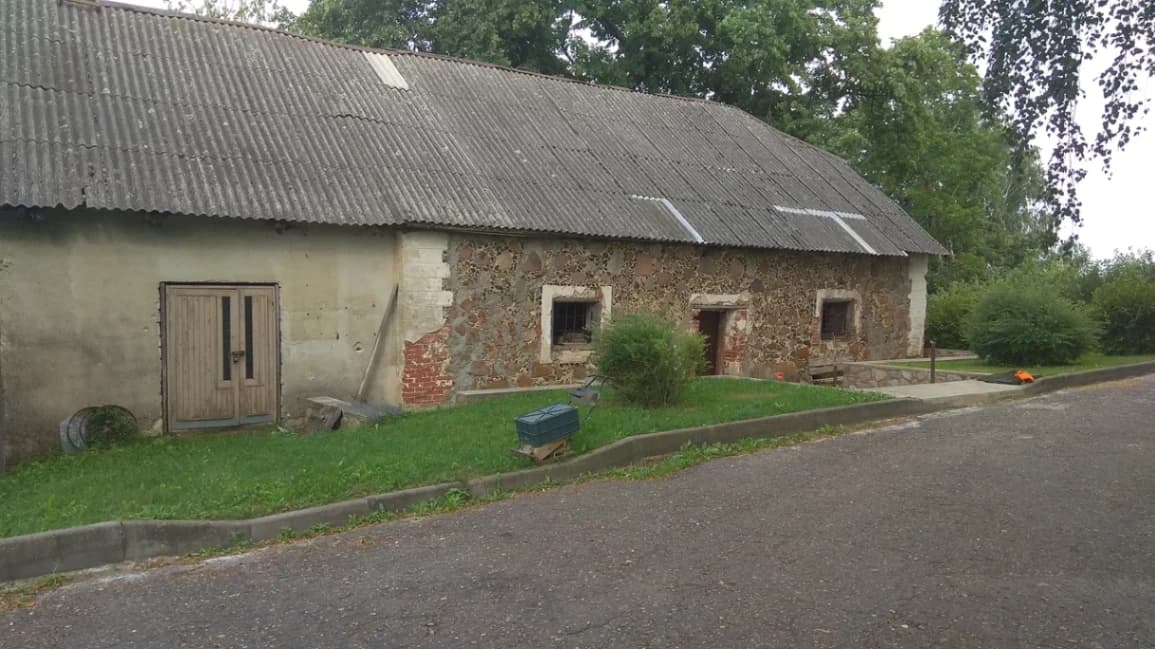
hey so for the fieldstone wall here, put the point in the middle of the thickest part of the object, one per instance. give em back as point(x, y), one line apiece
point(869, 375)
point(494, 321)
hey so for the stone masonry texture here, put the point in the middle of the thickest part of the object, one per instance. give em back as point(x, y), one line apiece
point(860, 375)
point(494, 329)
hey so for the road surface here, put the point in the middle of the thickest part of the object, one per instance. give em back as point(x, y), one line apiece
point(1029, 524)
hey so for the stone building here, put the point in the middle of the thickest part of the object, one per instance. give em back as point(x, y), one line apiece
point(205, 222)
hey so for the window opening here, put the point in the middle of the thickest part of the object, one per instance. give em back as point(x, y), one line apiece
point(227, 337)
point(835, 319)
point(571, 322)
point(248, 336)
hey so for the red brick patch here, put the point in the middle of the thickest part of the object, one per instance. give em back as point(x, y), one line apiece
point(425, 379)
point(734, 343)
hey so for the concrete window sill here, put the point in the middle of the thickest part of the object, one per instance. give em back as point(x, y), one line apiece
point(571, 354)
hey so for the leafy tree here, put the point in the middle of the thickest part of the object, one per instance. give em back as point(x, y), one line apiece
point(1035, 54)
point(264, 12)
point(394, 24)
point(793, 63)
point(786, 61)
point(528, 34)
point(917, 127)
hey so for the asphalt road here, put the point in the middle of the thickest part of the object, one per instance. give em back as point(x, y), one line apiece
point(1023, 525)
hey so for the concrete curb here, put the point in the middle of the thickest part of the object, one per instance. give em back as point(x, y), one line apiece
point(78, 548)
point(89, 546)
point(639, 447)
point(1079, 379)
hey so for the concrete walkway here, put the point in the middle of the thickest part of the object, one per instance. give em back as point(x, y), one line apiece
point(946, 390)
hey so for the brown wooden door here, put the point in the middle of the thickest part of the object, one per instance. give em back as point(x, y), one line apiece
point(220, 352)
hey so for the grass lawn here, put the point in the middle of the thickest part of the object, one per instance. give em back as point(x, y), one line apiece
point(1088, 362)
point(240, 476)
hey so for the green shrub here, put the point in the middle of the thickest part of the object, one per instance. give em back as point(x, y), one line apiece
point(1059, 276)
point(1126, 306)
point(1029, 325)
point(947, 313)
point(648, 360)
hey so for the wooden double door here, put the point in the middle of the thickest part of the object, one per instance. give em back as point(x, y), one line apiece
point(220, 355)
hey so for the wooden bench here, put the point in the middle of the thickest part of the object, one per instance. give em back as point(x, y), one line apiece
point(826, 374)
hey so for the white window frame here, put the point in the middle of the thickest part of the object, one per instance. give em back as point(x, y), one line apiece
point(550, 293)
point(839, 295)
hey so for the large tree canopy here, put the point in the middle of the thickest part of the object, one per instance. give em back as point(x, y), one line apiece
point(1036, 55)
point(786, 61)
point(917, 127)
point(528, 34)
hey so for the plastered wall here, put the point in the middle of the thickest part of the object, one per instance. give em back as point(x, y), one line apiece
point(80, 308)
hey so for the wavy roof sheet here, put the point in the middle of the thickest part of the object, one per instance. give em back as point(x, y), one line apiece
point(116, 107)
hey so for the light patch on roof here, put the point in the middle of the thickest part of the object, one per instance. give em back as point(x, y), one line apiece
point(857, 237)
point(837, 217)
point(814, 212)
point(675, 213)
point(386, 71)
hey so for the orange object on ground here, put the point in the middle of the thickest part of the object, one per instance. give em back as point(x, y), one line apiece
point(1024, 376)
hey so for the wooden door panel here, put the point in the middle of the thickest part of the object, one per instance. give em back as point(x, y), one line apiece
point(200, 334)
point(258, 397)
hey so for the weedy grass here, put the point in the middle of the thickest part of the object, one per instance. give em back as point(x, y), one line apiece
point(25, 595)
point(229, 475)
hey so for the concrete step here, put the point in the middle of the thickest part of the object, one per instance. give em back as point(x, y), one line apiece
point(359, 412)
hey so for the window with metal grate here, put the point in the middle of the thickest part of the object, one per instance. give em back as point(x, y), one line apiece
point(571, 321)
point(836, 319)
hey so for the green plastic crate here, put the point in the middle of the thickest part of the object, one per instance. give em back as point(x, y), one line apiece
point(548, 424)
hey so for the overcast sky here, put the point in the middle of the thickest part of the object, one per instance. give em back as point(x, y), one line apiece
point(1115, 214)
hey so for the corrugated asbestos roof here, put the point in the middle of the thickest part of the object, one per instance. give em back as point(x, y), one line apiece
point(123, 108)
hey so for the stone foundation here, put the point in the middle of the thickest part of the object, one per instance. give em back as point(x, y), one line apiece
point(869, 375)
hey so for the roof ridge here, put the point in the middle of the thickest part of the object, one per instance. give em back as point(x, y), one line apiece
point(166, 13)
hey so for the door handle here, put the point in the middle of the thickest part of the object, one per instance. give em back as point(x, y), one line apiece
point(238, 355)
